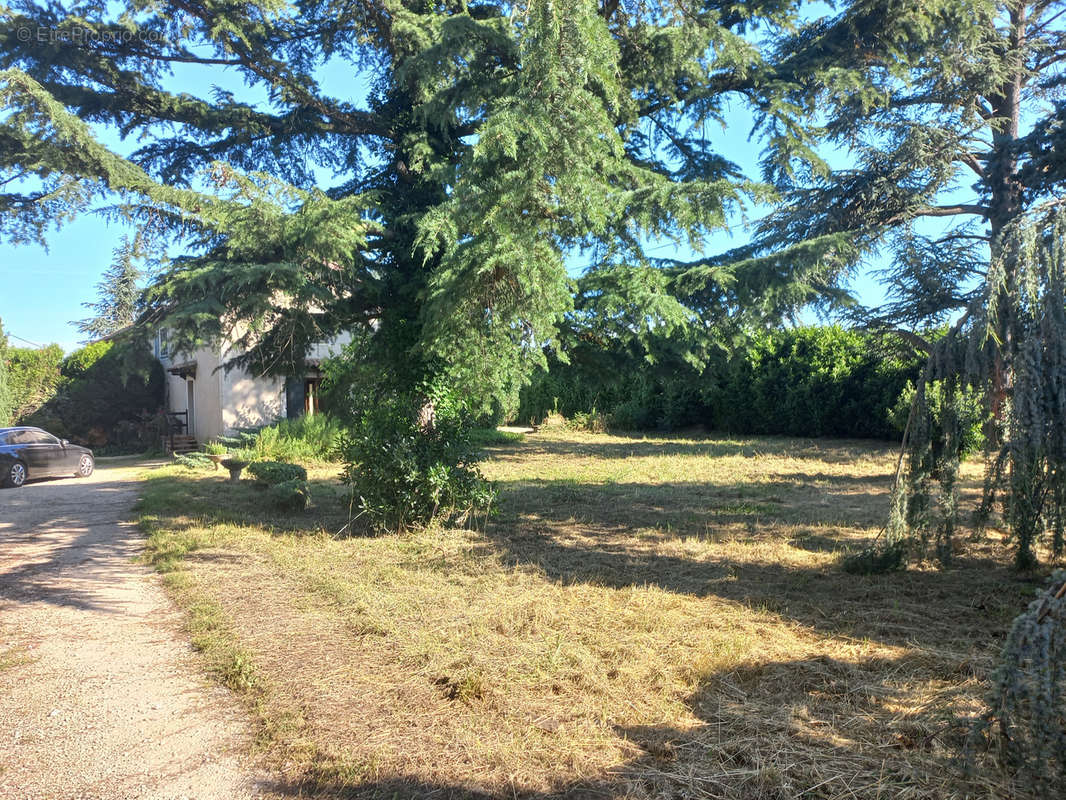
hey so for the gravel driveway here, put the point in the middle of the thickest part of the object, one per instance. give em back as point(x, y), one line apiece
point(99, 694)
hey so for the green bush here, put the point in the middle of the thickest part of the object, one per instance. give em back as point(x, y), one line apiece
point(313, 439)
point(275, 472)
point(291, 495)
point(33, 376)
point(195, 461)
point(403, 475)
point(108, 396)
point(215, 448)
point(816, 381)
point(7, 400)
point(971, 414)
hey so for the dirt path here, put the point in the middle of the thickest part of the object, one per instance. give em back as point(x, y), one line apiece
point(99, 694)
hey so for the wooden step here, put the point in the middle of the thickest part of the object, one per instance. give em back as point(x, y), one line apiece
point(182, 444)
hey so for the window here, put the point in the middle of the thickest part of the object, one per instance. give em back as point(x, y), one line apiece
point(40, 437)
point(164, 343)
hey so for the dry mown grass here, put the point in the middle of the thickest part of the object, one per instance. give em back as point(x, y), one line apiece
point(644, 618)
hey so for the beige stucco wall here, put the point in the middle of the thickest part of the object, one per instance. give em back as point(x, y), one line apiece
point(224, 400)
point(207, 408)
point(248, 401)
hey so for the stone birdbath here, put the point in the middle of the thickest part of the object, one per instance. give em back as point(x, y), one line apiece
point(217, 458)
point(234, 465)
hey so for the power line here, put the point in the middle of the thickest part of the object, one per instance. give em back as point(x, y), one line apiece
point(27, 341)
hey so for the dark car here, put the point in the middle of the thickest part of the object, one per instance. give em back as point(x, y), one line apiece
point(33, 453)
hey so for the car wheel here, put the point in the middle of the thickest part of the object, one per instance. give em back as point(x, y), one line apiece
point(16, 475)
point(85, 466)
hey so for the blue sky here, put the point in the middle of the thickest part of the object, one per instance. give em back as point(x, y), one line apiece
point(42, 290)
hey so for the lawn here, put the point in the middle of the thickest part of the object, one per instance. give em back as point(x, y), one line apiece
point(644, 617)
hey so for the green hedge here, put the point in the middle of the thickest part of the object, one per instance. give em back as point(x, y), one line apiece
point(107, 395)
point(276, 472)
point(814, 381)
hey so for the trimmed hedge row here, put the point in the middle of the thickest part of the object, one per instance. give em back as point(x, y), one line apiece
point(814, 381)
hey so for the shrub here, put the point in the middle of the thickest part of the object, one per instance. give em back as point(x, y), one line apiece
point(33, 377)
point(292, 495)
point(195, 461)
point(215, 448)
point(275, 472)
point(1026, 714)
point(301, 439)
point(971, 414)
point(817, 381)
point(107, 396)
point(403, 474)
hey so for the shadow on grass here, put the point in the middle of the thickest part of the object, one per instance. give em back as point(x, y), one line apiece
point(188, 499)
point(731, 542)
point(642, 446)
point(769, 730)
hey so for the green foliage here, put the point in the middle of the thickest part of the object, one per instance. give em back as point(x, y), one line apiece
point(33, 376)
point(497, 139)
point(969, 405)
point(119, 292)
point(411, 462)
point(194, 461)
point(309, 439)
point(215, 448)
point(1009, 351)
point(823, 381)
point(290, 495)
point(104, 389)
point(1026, 717)
point(7, 401)
point(275, 472)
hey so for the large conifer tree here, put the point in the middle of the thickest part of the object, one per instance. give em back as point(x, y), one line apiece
point(496, 137)
point(119, 292)
point(941, 127)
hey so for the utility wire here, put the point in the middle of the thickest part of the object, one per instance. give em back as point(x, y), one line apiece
point(27, 341)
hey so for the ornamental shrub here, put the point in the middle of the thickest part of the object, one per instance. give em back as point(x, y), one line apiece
point(406, 474)
point(292, 495)
point(271, 473)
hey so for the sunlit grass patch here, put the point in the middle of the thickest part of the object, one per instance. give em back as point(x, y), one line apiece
point(642, 617)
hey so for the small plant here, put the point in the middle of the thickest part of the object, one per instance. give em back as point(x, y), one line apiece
point(589, 422)
point(291, 495)
point(215, 448)
point(271, 473)
point(194, 461)
point(876, 560)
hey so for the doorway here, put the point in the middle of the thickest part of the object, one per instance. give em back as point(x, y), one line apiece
point(189, 405)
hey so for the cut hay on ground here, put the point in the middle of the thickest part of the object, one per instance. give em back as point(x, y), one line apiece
point(643, 618)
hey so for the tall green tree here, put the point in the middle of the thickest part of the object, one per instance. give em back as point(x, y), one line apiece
point(496, 138)
point(6, 398)
point(943, 128)
point(119, 304)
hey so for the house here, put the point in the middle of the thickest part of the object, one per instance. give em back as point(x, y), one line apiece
point(208, 400)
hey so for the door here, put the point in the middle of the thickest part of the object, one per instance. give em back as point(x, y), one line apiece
point(189, 389)
point(43, 453)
